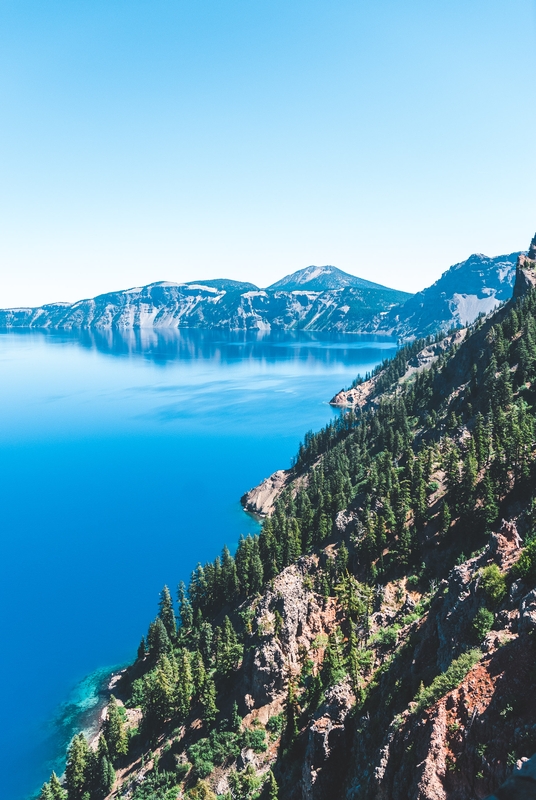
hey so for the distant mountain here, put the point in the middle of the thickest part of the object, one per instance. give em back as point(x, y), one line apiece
point(346, 304)
point(472, 287)
point(315, 298)
point(322, 279)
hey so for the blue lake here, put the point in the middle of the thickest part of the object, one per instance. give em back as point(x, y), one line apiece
point(122, 461)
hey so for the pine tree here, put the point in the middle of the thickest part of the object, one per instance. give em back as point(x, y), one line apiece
point(208, 703)
point(158, 639)
point(236, 719)
point(229, 651)
point(231, 586)
point(46, 792)
point(58, 792)
point(199, 673)
point(105, 773)
point(272, 787)
point(333, 666)
point(445, 518)
point(114, 730)
point(76, 770)
point(256, 569)
point(159, 694)
point(166, 613)
point(291, 713)
point(184, 683)
point(141, 649)
point(186, 613)
point(341, 559)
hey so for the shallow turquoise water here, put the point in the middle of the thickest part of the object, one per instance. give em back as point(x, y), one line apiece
point(122, 461)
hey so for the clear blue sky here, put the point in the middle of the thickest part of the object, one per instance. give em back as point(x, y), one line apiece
point(189, 139)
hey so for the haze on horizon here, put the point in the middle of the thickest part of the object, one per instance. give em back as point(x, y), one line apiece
point(146, 141)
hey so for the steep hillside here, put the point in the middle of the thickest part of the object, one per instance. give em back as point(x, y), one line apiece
point(472, 287)
point(377, 640)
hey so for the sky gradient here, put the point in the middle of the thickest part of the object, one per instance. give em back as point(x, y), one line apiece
point(145, 141)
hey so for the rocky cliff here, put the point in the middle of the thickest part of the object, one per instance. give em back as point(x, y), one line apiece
point(323, 298)
point(474, 286)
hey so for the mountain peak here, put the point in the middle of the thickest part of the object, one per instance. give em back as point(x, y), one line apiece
point(321, 279)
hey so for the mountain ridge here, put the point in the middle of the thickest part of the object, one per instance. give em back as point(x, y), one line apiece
point(314, 298)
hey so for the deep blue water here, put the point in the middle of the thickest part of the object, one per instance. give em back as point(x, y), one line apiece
point(122, 461)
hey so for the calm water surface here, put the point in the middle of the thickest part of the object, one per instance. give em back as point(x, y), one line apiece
point(122, 461)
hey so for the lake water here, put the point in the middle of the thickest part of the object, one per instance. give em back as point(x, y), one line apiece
point(122, 461)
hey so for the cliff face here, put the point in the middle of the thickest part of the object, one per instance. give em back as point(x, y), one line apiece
point(315, 298)
point(474, 286)
point(217, 304)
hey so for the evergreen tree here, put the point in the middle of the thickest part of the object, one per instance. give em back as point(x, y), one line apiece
point(208, 703)
point(58, 792)
point(199, 673)
point(272, 787)
point(105, 773)
point(160, 694)
point(186, 613)
point(231, 586)
point(236, 719)
point(333, 666)
point(185, 685)
point(158, 639)
point(291, 716)
point(46, 792)
point(114, 730)
point(141, 649)
point(229, 650)
point(341, 559)
point(166, 613)
point(445, 518)
point(77, 768)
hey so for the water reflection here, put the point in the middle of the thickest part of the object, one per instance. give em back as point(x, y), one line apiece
point(224, 347)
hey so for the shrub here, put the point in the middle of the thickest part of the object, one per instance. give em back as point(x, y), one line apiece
point(525, 567)
point(201, 791)
point(386, 637)
point(482, 623)
point(494, 583)
point(256, 740)
point(213, 750)
point(157, 786)
point(276, 723)
point(444, 683)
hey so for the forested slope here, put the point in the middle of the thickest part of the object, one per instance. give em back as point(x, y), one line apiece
point(377, 639)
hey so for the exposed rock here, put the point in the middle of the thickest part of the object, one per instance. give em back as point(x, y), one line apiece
point(356, 397)
point(327, 746)
point(261, 499)
point(527, 620)
point(246, 757)
point(526, 271)
point(275, 655)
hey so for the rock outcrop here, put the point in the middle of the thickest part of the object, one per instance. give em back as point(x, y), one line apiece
point(261, 499)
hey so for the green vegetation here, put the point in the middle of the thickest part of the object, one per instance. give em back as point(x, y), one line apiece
point(494, 584)
point(449, 680)
point(482, 623)
point(525, 568)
